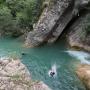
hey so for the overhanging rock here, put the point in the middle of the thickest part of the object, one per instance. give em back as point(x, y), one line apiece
point(53, 21)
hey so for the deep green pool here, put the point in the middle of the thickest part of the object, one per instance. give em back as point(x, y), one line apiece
point(40, 60)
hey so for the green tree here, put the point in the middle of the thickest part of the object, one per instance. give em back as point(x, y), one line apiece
point(19, 15)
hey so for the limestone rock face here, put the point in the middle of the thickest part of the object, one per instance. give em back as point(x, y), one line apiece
point(83, 72)
point(15, 76)
point(53, 21)
point(79, 33)
point(51, 18)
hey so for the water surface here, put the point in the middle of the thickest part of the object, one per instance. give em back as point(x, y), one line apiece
point(40, 60)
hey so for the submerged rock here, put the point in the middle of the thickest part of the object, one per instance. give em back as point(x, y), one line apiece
point(83, 72)
point(15, 76)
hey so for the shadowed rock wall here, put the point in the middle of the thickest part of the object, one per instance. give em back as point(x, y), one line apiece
point(53, 21)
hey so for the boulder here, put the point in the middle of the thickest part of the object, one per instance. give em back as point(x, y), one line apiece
point(83, 72)
point(15, 76)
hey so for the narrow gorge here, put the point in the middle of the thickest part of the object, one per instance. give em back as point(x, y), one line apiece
point(44, 44)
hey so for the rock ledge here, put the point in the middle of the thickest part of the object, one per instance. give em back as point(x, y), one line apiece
point(83, 73)
point(15, 76)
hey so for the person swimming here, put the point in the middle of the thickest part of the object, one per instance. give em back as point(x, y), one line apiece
point(52, 73)
point(23, 53)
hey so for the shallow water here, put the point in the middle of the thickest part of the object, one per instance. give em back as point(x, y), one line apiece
point(41, 59)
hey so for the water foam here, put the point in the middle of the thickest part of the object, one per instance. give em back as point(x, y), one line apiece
point(53, 69)
point(80, 55)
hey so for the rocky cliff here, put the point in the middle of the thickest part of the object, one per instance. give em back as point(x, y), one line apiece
point(15, 76)
point(54, 19)
point(79, 33)
point(51, 18)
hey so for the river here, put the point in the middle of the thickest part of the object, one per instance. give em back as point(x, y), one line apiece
point(40, 60)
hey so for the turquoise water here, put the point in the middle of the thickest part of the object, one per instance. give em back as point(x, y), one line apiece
point(40, 60)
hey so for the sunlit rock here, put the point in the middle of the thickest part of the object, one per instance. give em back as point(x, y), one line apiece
point(83, 72)
point(15, 76)
point(55, 18)
point(51, 23)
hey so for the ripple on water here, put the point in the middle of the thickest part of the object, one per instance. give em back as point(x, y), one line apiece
point(40, 60)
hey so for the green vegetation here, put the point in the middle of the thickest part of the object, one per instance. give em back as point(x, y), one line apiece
point(14, 55)
point(15, 77)
point(18, 16)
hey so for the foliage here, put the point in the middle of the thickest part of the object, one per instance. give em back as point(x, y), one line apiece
point(17, 16)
